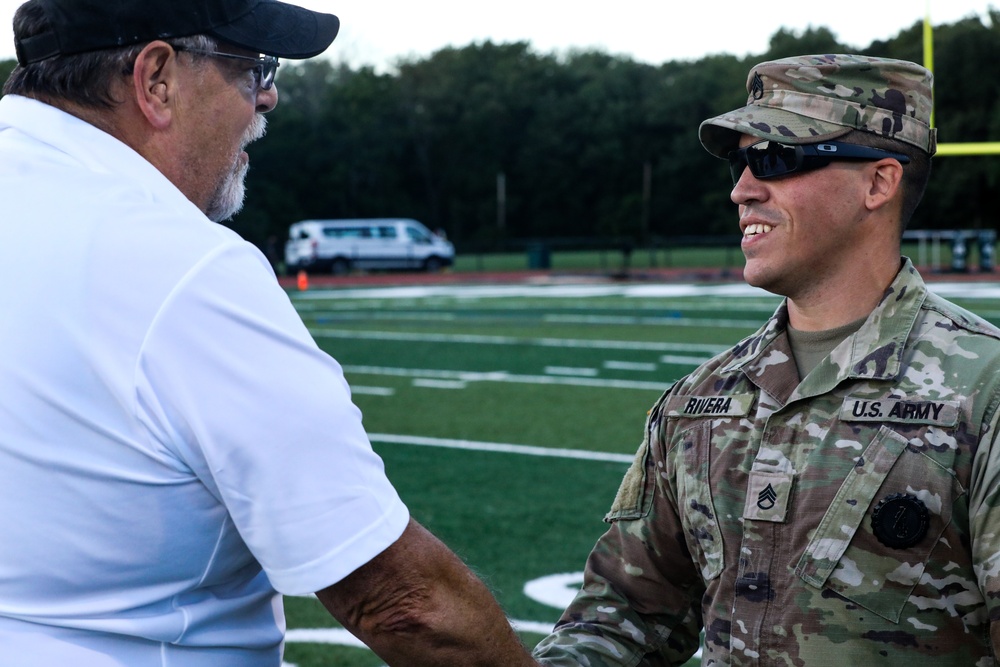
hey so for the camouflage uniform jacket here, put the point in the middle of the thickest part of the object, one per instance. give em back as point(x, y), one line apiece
point(852, 518)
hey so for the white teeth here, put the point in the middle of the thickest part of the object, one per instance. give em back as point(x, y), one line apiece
point(758, 228)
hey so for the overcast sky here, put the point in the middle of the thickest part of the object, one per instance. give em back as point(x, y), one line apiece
point(378, 32)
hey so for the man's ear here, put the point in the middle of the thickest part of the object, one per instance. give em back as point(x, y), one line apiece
point(155, 83)
point(886, 178)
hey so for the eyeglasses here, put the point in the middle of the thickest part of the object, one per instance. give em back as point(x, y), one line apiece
point(264, 69)
point(771, 159)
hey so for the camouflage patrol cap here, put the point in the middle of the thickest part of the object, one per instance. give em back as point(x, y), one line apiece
point(808, 99)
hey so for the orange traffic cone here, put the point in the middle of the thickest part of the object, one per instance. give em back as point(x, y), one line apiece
point(303, 281)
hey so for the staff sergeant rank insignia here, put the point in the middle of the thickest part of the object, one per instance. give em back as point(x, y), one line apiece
point(766, 498)
point(757, 87)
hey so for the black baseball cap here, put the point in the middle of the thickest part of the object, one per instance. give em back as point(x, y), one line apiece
point(265, 26)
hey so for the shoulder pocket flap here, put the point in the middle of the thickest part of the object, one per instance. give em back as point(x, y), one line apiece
point(628, 502)
point(635, 492)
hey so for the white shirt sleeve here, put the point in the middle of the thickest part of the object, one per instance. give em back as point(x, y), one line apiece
point(231, 382)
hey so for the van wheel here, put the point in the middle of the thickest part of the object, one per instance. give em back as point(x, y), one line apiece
point(433, 264)
point(340, 267)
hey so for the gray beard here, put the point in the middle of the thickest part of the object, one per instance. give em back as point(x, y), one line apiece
point(228, 198)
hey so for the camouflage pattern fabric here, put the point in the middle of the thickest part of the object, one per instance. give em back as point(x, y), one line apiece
point(852, 518)
point(809, 99)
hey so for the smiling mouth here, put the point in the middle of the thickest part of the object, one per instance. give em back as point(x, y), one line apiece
point(756, 229)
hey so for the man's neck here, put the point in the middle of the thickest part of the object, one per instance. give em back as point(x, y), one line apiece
point(836, 305)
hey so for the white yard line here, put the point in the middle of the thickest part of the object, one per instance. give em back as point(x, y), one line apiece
point(629, 366)
point(682, 359)
point(372, 391)
point(628, 320)
point(571, 371)
point(429, 383)
point(500, 447)
point(479, 339)
point(504, 376)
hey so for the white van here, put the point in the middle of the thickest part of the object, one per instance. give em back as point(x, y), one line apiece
point(338, 246)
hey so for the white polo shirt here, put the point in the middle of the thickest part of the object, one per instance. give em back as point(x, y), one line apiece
point(173, 444)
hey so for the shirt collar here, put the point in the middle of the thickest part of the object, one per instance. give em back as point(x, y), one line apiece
point(77, 141)
point(873, 352)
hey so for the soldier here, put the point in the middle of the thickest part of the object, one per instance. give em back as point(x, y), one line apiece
point(825, 492)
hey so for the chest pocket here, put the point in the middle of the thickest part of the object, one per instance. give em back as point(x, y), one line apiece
point(845, 555)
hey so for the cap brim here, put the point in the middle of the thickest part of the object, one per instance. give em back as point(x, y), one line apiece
point(721, 134)
point(279, 29)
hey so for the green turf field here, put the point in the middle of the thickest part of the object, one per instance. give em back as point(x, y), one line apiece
point(506, 416)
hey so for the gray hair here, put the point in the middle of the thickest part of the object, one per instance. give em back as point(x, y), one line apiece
point(87, 79)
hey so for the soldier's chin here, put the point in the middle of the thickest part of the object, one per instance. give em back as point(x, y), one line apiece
point(762, 278)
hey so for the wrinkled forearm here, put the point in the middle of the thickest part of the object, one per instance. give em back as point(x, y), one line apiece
point(418, 605)
point(458, 623)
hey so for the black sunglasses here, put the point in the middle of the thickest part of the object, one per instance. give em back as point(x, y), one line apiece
point(771, 159)
point(264, 67)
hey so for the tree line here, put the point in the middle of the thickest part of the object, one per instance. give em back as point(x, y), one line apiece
point(496, 143)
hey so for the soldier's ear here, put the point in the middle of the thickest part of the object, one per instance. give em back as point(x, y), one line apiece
point(884, 183)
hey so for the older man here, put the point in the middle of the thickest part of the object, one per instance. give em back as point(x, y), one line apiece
point(825, 492)
point(173, 444)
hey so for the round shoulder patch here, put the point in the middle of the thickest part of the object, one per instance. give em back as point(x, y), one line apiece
point(900, 520)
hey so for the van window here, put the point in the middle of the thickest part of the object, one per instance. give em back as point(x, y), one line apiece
point(347, 232)
point(417, 236)
point(387, 232)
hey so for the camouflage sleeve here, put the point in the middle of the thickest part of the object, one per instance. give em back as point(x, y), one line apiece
point(641, 598)
point(984, 520)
